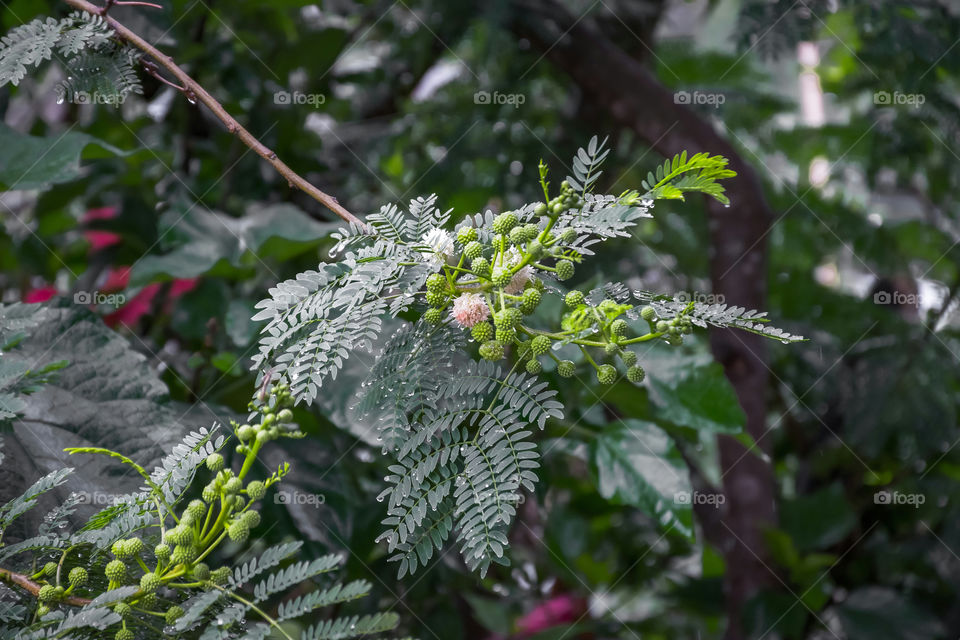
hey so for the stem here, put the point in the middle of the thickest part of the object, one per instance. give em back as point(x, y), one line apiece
point(211, 547)
point(195, 89)
point(263, 614)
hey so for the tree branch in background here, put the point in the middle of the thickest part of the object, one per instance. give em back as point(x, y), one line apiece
point(195, 91)
point(632, 95)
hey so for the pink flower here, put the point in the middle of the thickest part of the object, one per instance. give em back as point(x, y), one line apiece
point(559, 610)
point(469, 309)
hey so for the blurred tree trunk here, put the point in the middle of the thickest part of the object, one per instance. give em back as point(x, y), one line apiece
point(628, 91)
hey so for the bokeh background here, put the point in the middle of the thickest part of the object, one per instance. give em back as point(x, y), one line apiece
point(841, 118)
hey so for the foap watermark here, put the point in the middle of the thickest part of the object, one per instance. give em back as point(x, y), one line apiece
point(93, 97)
point(700, 298)
point(95, 297)
point(485, 97)
point(898, 298)
point(299, 497)
point(697, 497)
point(897, 98)
point(699, 98)
point(98, 498)
point(285, 98)
point(898, 498)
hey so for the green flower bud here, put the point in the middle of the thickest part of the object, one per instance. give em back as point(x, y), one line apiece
point(506, 335)
point(220, 576)
point(197, 508)
point(42, 610)
point(233, 485)
point(491, 350)
point(150, 582)
point(557, 208)
point(183, 554)
point(148, 601)
point(78, 576)
point(162, 551)
point(574, 298)
point(436, 283)
point(619, 327)
point(47, 594)
point(473, 250)
point(209, 494)
point(238, 531)
point(256, 490)
point(482, 331)
point(436, 298)
point(501, 277)
point(564, 186)
point(433, 316)
point(480, 266)
point(648, 313)
point(540, 345)
point(49, 569)
point(201, 571)
point(246, 433)
point(565, 270)
point(115, 571)
point(173, 614)
point(518, 236)
point(133, 546)
point(215, 462)
point(606, 374)
point(264, 436)
point(123, 634)
point(611, 349)
point(566, 368)
point(122, 609)
point(663, 327)
point(532, 230)
point(119, 549)
point(466, 235)
point(252, 518)
point(636, 374)
point(533, 366)
point(534, 248)
point(531, 299)
point(285, 415)
point(629, 358)
point(540, 209)
point(181, 534)
point(568, 236)
point(504, 222)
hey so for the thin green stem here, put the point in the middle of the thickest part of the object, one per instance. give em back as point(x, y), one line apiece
point(260, 611)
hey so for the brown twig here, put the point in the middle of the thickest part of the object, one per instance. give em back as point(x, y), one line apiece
point(190, 86)
point(152, 68)
point(135, 3)
point(25, 582)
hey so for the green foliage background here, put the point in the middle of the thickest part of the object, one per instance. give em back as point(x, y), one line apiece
point(869, 404)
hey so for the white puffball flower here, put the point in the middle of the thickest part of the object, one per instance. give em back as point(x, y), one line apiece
point(440, 243)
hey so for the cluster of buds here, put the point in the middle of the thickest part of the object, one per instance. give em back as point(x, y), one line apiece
point(224, 511)
point(492, 286)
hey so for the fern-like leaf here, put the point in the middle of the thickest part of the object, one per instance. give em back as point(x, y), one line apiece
point(699, 173)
